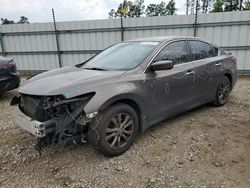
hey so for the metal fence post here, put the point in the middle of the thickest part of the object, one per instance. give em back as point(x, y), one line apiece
point(1, 44)
point(196, 18)
point(122, 30)
point(57, 39)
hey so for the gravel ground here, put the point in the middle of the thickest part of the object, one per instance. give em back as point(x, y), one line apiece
point(205, 147)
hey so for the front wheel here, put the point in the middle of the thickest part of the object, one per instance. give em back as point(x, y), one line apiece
point(114, 130)
point(222, 92)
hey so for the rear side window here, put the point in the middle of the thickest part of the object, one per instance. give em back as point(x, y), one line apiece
point(200, 50)
point(175, 51)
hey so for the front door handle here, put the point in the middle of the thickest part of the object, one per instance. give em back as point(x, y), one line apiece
point(217, 64)
point(190, 72)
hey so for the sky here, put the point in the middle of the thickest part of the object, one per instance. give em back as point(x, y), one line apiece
point(65, 10)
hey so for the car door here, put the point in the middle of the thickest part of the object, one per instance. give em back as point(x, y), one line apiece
point(205, 67)
point(171, 89)
point(219, 64)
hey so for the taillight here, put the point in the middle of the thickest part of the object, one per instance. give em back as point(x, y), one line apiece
point(12, 62)
point(5, 66)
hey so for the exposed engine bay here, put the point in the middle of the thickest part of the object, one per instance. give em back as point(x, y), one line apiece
point(63, 121)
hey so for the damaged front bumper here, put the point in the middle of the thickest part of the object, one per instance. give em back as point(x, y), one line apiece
point(53, 119)
point(34, 127)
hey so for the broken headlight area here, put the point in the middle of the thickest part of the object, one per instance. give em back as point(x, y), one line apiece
point(64, 119)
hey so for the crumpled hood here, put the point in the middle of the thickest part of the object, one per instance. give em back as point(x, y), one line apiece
point(68, 81)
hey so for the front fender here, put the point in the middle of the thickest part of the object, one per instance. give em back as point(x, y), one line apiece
point(125, 96)
point(106, 96)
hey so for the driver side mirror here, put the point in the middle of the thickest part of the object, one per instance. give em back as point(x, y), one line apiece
point(162, 65)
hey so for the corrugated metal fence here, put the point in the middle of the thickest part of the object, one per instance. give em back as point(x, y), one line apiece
point(35, 47)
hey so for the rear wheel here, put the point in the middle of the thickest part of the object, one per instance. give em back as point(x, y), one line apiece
point(222, 92)
point(114, 130)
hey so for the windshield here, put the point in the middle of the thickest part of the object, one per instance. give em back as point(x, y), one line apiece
point(122, 56)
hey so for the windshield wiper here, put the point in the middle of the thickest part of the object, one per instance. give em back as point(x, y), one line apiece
point(94, 68)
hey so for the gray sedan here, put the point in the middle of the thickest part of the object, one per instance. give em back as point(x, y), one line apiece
point(123, 90)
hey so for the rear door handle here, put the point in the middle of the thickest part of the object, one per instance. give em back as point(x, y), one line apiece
point(190, 72)
point(217, 64)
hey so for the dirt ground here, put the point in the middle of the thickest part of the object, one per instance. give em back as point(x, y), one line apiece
point(205, 147)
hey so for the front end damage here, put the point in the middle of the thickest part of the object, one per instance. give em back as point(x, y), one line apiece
point(53, 119)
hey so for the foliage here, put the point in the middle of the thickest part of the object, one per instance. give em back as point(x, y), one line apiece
point(23, 20)
point(137, 9)
point(171, 7)
point(229, 5)
point(6, 21)
point(247, 5)
point(156, 9)
point(218, 6)
point(205, 6)
point(161, 9)
point(128, 9)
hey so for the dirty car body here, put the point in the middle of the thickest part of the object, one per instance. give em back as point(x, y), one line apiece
point(9, 78)
point(163, 77)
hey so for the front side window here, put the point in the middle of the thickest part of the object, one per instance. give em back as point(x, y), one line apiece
point(200, 50)
point(215, 51)
point(175, 51)
point(122, 56)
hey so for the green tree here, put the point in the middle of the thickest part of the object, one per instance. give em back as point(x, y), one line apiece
point(161, 9)
point(120, 10)
point(128, 9)
point(204, 6)
point(151, 10)
point(218, 6)
point(171, 9)
point(230, 5)
point(124, 5)
point(157, 9)
point(23, 20)
point(247, 5)
point(112, 13)
point(6, 21)
point(234, 5)
point(136, 9)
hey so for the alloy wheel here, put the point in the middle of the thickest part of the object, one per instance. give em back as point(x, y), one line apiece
point(223, 92)
point(119, 130)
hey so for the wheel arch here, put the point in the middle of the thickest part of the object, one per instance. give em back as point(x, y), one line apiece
point(130, 100)
point(230, 77)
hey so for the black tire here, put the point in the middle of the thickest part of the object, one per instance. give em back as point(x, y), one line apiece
point(119, 122)
point(222, 92)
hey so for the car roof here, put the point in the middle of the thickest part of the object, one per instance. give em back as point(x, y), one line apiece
point(164, 38)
